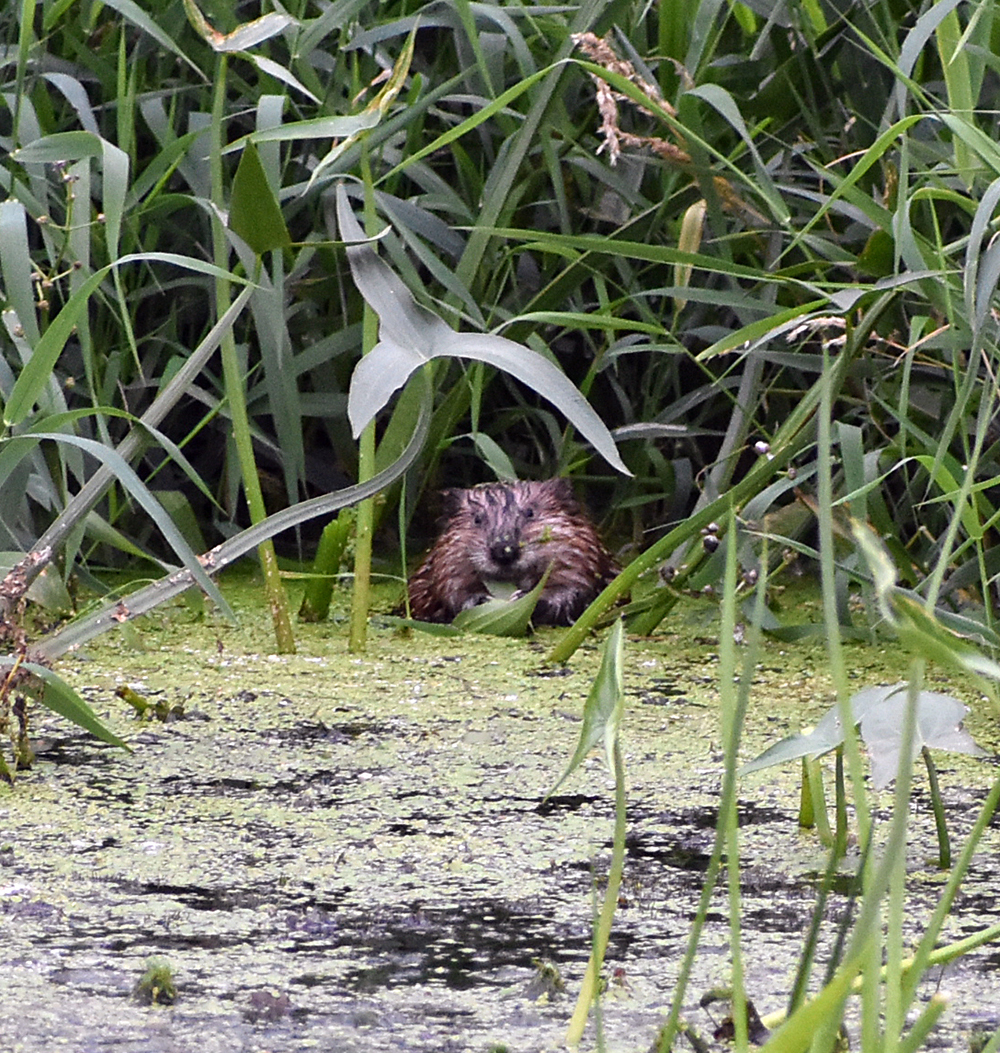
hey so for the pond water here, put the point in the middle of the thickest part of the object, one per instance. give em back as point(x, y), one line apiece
point(337, 852)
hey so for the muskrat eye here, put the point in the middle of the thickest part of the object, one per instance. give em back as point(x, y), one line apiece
point(477, 519)
point(529, 513)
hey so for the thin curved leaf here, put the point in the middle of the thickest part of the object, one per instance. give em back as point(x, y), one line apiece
point(378, 106)
point(279, 72)
point(134, 13)
point(315, 128)
point(15, 266)
point(76, 95)
point(62, 699)
point(141, 493)
point(431, 628)
point(256, 32)
point(245, 35)
point(174, 584)
point(60, 146)
point(723, 101)
point(36, 374)
point(75, 146)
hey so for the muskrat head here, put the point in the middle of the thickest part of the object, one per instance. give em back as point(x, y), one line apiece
point(502, 526)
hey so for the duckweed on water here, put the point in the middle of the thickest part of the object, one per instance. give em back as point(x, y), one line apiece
point(365, 837)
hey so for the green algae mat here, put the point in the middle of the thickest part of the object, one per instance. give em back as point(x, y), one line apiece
point(338, 852)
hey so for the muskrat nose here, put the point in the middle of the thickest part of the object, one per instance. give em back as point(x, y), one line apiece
point(505, 550)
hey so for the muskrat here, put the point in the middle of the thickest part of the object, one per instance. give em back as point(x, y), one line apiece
point(501, 534)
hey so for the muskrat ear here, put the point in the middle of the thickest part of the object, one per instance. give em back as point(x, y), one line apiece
point(560, 489)
point(451, 501)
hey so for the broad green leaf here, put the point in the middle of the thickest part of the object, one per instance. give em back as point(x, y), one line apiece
point(826, 736)
point(410, 336)
point(254, 213)
point(15, 266)
point(497, 617)
point(501, 616)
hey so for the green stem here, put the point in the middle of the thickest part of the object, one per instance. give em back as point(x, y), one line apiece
point(812, 809)
point(235, 387)
point(914, 969)
point(361, 593)
point(803, 969)
point(924, 1024)
point(927, 951)
point(841, 803)
point(602, 932)
point(944, 842)
point(726, 833)
point(732, 712)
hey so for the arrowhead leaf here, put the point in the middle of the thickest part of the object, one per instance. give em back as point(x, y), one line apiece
point(410, 336)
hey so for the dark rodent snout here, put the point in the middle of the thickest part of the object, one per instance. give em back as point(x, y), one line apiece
point(505, 550)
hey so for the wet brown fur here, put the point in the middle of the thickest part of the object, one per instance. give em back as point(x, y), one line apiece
point(510, 532)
